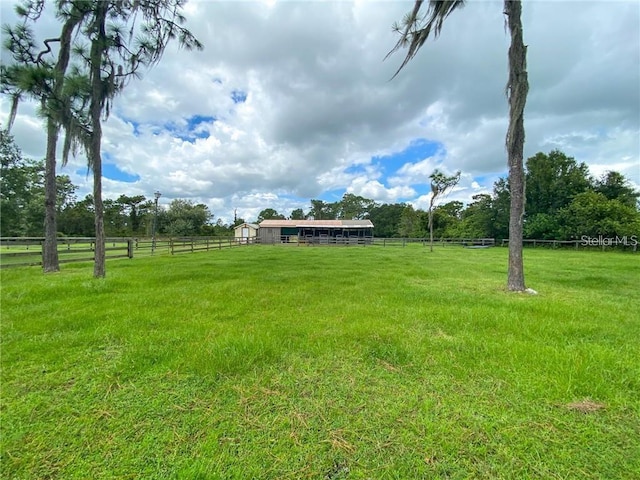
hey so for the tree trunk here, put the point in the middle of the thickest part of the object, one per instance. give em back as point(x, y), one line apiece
point(431, 228)
point(50, 261)
point(95, 154)
point(517, 89)
point(99, 269)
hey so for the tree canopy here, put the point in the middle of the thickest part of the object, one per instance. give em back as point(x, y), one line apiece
point(605, 206)
point(106, 42)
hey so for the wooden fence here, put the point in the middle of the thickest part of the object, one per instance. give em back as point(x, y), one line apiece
point(323, 240)
point(595, 243)
point(379, 241)
point(443, 242)
point(27, 251)
point(22, 251)
point(205, 244)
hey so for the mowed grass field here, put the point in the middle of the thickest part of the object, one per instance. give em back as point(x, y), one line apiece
point(323, 363)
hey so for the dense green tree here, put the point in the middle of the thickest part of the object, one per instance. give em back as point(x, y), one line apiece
point(386, 219)
point(298, 214)
point(615, 186)
point(558, 187)
point(553, 180)
point(218, 229)
point(184, 218)
point(412, 223)
point(501, 205)
point(65, 192)
point(115, 218)
point(452, 209)
point(478, 218)
point(440, 184)
point(77, 218)
point(321, 210)
point(21, 191)
point(593, 214)
point(414, 32)
point(132, 206)
point(543, 226)
point(447, 219)
point(354, 207)
point(270, 214)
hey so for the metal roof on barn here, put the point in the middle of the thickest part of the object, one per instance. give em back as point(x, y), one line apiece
point(278, 223)
point(317, 223)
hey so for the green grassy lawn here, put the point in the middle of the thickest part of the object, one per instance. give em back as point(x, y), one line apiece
point(323, 363)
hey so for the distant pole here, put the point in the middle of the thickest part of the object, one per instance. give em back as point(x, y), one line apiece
point(156, 194)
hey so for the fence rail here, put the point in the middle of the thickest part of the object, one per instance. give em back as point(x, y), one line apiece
point(322, 240)
point(27, 251)
point(379, 241)
point(595, 243)
point(465, 242)
point(196, 244)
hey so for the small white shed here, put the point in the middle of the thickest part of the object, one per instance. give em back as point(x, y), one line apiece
point(246, 232)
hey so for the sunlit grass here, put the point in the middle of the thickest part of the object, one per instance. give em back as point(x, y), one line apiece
point(327, 363)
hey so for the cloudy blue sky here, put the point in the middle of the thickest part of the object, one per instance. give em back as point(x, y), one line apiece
point(292, 100)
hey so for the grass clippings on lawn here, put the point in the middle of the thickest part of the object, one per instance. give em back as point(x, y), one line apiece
point(585, 406)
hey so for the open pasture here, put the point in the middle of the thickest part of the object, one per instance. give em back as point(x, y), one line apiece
point(323, 363)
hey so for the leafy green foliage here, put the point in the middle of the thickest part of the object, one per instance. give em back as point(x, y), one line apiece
point(412, 223)
point(184, 218)
point(297, 214)
point(440, 185)
point(479, 217)
point(615, 186)
point(269, 214)
point(136, 207)
point(77, 219)
point(386, 218)
point(321, 210)
point(21, 191)
point(553, 180)
point(607, 206)
point(354, 207)
point(593, 214)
